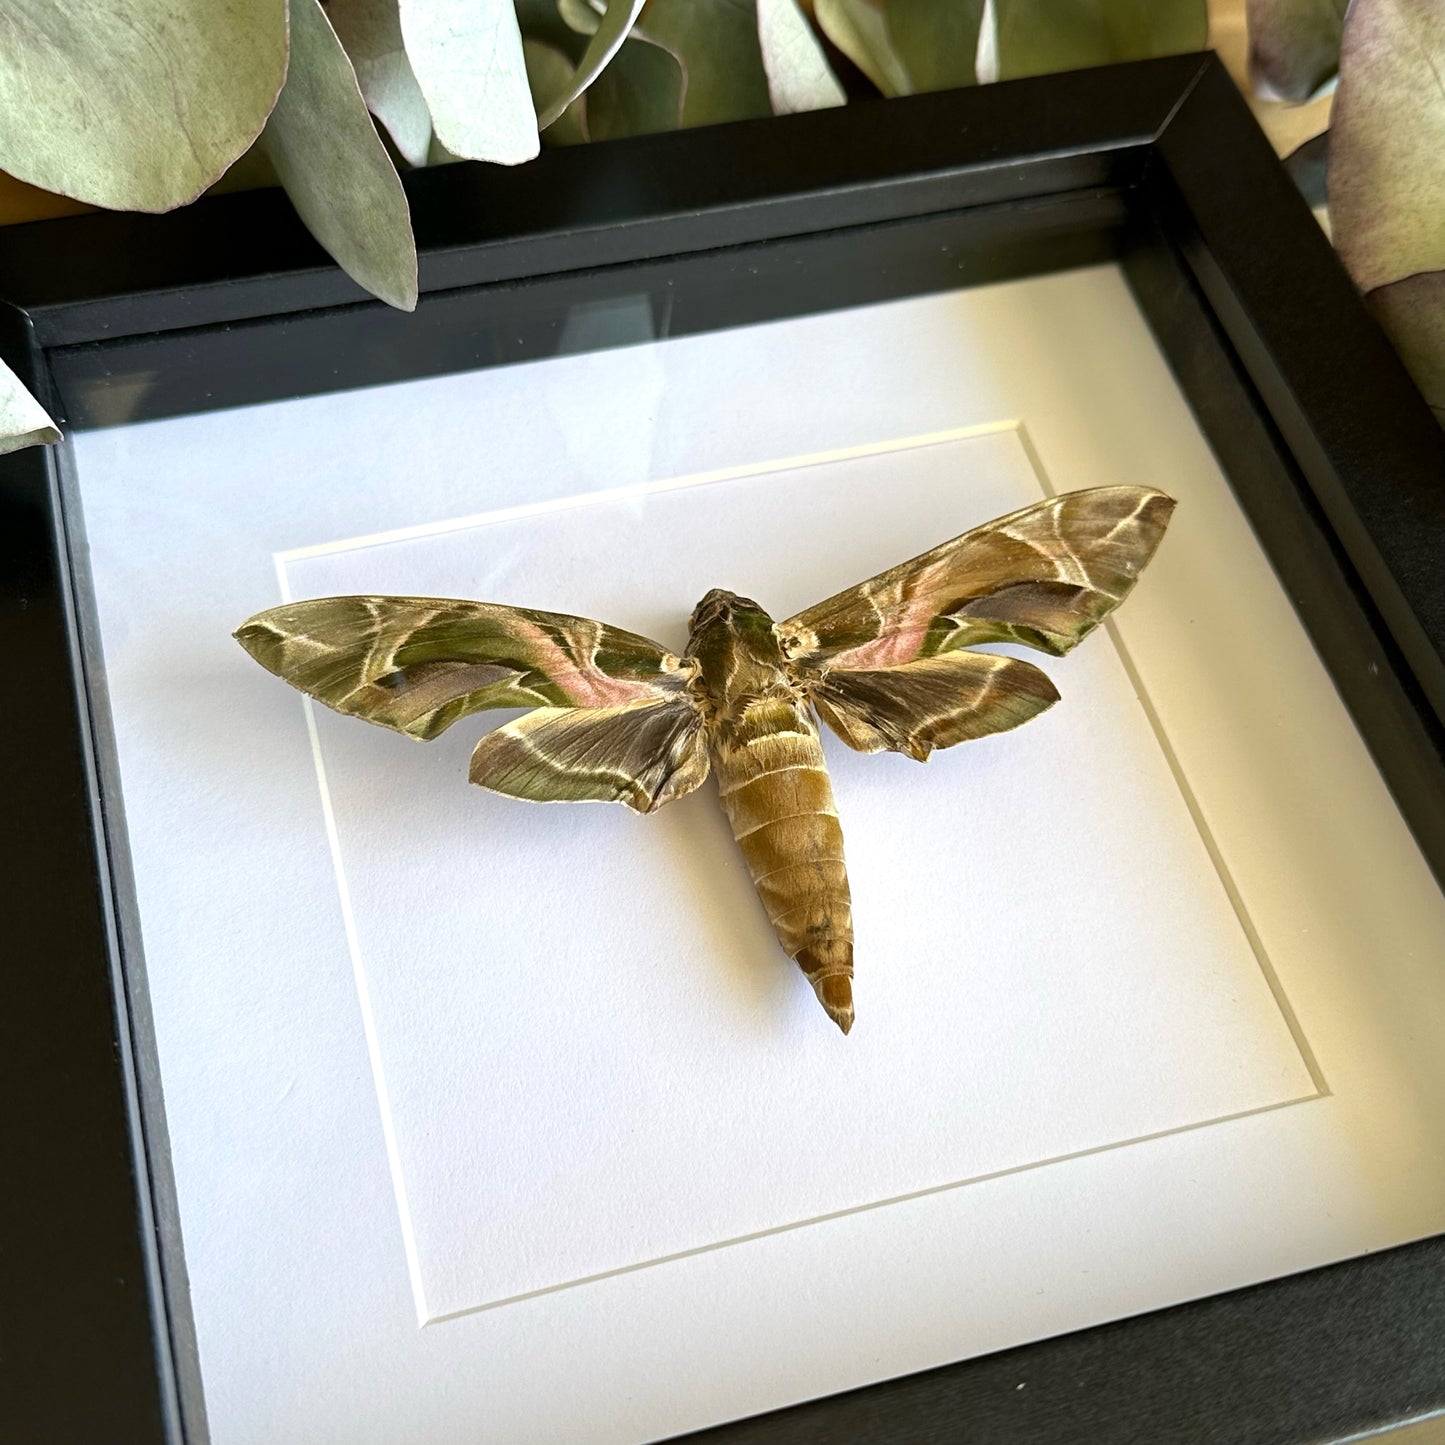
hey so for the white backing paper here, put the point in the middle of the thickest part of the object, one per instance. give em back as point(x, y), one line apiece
point(594, 1054)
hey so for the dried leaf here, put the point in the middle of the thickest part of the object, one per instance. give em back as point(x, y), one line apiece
point(467, 55)
point(639, 93)
point(608, 36)
point(1387, 141)
point(716, 42)
point(548, 73)
point(797, 71)
point(335, 169)
point(23, 421)
point(937, 44)
point(1294, 45)
point(370, 30)
point(1038, 37)
point(1412, 311)
point(858, 28)
point(137, 105)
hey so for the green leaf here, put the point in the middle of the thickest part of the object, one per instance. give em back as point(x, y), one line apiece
point(1387, 141)
point(1412, 312)
point(937, 44)
point(467, 55)
point(716, 42)
point(335, 169)
point(797, 71)
point(639, 93)
point(858, 28)
point(549, 72)
point(370, 31)
point(23, 421)
point(137, 105)
point(1038, 37)
point(1294, 45)
point(606, 39)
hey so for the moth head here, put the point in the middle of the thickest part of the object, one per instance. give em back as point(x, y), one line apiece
point(722, 606)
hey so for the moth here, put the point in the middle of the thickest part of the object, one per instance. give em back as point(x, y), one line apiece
point(887, 664)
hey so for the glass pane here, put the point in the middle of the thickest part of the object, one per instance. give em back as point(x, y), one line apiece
point(493, 1118)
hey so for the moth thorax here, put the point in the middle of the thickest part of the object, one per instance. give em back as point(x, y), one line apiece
point(721, 606)
point(734, 647)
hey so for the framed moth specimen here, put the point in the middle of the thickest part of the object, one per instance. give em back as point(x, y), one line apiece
point(501, 1118)
point(888, 664)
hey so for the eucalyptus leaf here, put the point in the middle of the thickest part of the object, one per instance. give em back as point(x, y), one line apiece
point(1038, 37)
point(579, 16)
point(542, 20)
point(1412, 311)
point(334, 167)
point(137, 105)
point(936, 43)
point(467, 55)
point(438, 155)
point(1294, 45)
point(798, 74)
point(549, 72)
point(23, 421)
point(251, 172)
point(554, 50)
point(716, 42)
point(1308, 166)
point(859, 29)
point(639, 93)
point(609, 35)
point(1387, 141)
point(370, 31)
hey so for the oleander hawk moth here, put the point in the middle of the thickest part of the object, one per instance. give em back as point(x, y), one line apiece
point(887, 664)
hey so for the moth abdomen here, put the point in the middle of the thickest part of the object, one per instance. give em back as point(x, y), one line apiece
point(774, 786)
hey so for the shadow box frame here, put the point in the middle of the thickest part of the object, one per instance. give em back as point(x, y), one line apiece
point(1333, 456)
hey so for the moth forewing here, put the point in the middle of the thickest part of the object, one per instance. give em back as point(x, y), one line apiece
point(1044, 576)
point(417, 664)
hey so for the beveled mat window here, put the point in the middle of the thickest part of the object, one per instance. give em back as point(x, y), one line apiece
point(314, 1135)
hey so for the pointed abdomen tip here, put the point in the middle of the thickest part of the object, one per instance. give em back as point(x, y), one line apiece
point(835, 993)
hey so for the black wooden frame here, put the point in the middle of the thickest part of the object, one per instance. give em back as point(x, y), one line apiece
point(1335, 459)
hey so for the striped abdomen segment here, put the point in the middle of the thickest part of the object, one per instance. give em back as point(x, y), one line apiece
point(775, 789)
